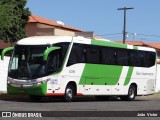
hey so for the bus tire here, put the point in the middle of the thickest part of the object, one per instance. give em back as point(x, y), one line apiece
point(35, 98)
point(69, 93)
point(131, 94)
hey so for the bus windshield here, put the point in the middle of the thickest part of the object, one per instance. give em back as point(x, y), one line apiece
point(27, 62)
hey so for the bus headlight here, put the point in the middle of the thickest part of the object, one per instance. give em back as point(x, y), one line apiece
point(54, 81)
point(9, 82)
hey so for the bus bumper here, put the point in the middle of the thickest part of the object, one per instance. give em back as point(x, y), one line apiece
point(39, 90)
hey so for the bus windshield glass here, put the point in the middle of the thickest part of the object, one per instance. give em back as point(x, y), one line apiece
point(27, 62)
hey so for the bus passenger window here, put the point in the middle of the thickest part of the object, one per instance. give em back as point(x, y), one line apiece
point(76, 55)
point(136, 58)
point(149, 59)
point(93, 55)
point(108, 56)
point(122, 57)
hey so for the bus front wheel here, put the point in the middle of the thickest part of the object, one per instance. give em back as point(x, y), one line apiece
point(131, 94)
point(69, 93)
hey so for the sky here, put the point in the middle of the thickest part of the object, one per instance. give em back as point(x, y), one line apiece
point(103, 18)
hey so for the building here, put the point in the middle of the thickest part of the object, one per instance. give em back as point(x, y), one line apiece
point(41, 26)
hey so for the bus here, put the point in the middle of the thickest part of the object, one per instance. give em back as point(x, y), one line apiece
point(48, 66)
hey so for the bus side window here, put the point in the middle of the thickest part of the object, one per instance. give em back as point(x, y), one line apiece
point(122, 57)
point(76, 55)
point(136, 58)
point(133, 58)
point(108, 56)
point(53, 62)
point(64, 47)
point(93, 55)
point(149, 59)
point(152, 59)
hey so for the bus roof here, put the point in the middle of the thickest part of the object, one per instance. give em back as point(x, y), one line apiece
point(49, 40)
point(43, 40)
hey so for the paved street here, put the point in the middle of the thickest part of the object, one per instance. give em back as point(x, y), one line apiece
point(23, 103)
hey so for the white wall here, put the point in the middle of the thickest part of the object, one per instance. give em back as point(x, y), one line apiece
point(3, 74)
point(158, 79)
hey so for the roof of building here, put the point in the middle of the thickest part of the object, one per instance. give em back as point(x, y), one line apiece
point(38, 19)
point(140, 43)
point(154, 45)
point(136, 43)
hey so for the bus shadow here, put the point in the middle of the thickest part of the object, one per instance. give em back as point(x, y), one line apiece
point(25, 98)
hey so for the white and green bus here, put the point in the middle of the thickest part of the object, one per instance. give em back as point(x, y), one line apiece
point(76, 66)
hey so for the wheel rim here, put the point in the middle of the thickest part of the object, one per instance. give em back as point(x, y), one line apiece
point(131, 93)
point(69, 93)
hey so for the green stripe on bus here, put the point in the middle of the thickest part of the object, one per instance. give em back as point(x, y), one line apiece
point(135, 47)
point(130, 71)
point(106, 43)
point(129, 74)
point(100, 74)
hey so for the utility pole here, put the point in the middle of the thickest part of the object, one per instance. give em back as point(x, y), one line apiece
point(124, 27)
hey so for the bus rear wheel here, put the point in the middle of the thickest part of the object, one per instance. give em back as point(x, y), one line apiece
point(69, 93)
point(131, 94)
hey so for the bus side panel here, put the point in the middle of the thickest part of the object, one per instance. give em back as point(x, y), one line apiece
point(99, 79)
point(120, 88)
point(71, 73)
point(145, 79)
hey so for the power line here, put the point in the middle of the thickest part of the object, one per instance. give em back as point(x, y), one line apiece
point(137, 34)
point(105, 34)
point(134, 36)
point(145, 35)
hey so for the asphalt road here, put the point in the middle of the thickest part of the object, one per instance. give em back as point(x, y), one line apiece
point(151, 104)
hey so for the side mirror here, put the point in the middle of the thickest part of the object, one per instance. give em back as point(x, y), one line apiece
point(47, 51)
point(4, 52)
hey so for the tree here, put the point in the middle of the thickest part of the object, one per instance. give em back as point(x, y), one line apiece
point(13, 18)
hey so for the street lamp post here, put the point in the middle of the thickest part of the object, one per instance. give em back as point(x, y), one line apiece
point(124, 25)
